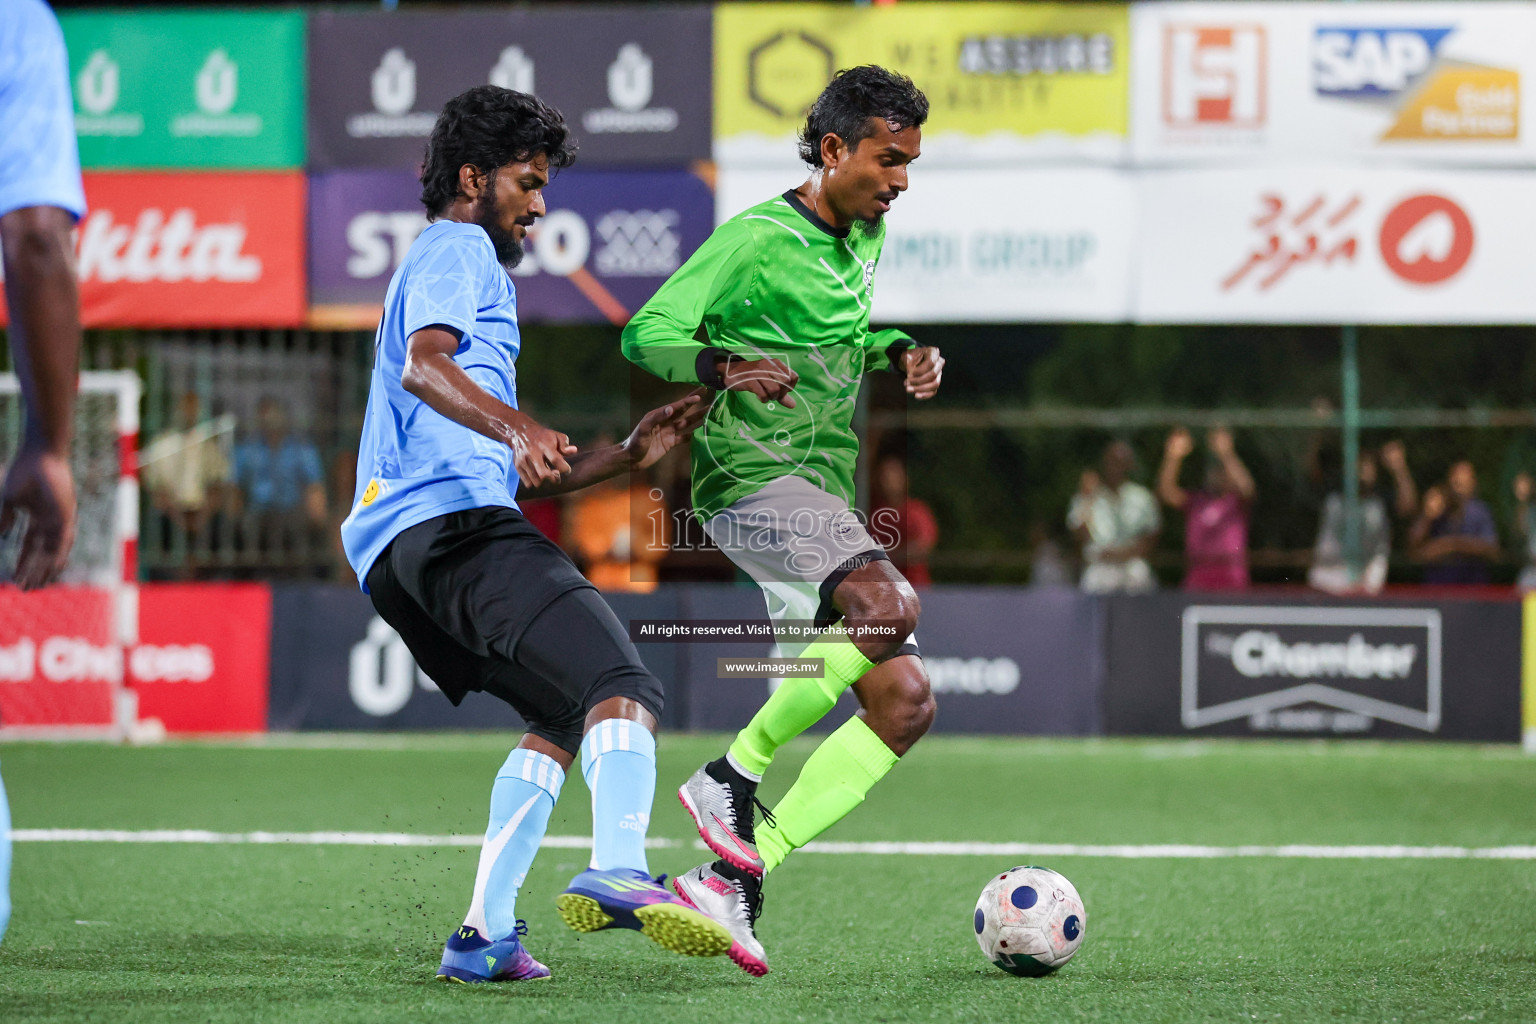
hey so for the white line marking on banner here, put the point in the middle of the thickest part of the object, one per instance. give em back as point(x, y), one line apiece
point(908, 849)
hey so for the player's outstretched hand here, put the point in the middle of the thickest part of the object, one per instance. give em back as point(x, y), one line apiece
point(40, 486)
point(539, 454)
point(661, 430)
point(771, 380)
point(924, 368)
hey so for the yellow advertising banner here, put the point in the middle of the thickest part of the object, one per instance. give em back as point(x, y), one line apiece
point(1004, 80)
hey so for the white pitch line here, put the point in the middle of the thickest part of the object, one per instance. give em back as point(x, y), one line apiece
point(907, 849)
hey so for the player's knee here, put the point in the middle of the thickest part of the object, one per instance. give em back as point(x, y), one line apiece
point(882, 621)
point(902, 711)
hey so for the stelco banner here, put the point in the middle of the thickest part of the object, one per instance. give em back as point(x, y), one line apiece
point(1181, 663)
point(1332, 245)
point(1440, 83)
point(609, 240)
point(632, 82)
point(172, 89)
point(1061, 250)
point(192, 250)
point(1004, 81)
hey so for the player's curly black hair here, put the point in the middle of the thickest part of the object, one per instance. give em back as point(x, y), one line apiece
point(853, 97)
point(489, 126)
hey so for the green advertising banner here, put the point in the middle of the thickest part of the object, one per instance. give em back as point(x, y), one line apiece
point(185, 89)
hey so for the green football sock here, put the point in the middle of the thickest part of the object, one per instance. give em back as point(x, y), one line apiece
point(799, 703)
point(834, 781)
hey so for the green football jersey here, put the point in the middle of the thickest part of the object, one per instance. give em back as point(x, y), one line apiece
point(774, 281)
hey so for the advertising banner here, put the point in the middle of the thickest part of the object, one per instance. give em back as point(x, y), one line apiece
point(192, 250)
point(60, 662)
point(632, 82)
point(1005, 80)
point(1438, 669)
point(201, 661)
point(1334, 245)
point(609, 240)
point(173, 89)
point(337, 665)
point(991, 245)
point(1438, 83)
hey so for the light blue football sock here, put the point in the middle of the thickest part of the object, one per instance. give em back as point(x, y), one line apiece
point(618, 760)
point(521, 800)
point(5, 861)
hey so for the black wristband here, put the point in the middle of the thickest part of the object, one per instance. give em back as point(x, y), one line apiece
point(704, 367)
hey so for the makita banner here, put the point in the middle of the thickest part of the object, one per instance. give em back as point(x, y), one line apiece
point(632, 82)
point(200, 665)
point(192, 250)
point(609, 240)
point(1330, 244)
point(1436, 669)
point(1426, 83)
point(190, 88)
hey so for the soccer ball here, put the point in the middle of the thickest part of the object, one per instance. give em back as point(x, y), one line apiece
point(1029, 921)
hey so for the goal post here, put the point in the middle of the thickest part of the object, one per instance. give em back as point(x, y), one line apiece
point(63, 648)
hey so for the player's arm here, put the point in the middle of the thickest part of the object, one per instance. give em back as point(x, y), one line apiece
point(658, 432)
point(430, 374)
point(44, 301)
point(712, 286)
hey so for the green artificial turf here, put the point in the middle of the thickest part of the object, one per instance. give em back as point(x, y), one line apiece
point(166, 932)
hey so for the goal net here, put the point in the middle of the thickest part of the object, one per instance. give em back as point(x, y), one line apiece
point(62, 648)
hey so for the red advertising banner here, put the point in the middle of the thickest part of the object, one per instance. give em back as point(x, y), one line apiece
point(60, 664)
point(192, 250)
point(201, 661)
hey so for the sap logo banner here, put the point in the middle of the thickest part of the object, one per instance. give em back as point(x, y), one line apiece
point(608, 242)
point(1333, 670)
point(1432, 98)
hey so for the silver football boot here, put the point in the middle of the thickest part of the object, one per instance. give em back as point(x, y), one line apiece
point(733, 904)
point(723, 814)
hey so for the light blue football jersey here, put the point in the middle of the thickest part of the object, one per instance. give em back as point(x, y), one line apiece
point(39, 161)
point(413, 463)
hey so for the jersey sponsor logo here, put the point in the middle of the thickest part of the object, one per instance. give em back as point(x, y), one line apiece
point(97, 90)
point(1215, 76)
point(216, 88)
point(392, 87)
point(1426, 239)
point(1435, 99)
point(371, 493)
point(630, 85)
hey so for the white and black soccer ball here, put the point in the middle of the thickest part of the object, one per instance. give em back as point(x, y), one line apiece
point(1030, 921)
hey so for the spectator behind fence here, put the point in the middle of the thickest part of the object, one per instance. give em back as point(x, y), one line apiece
point(282, 492)
point(186, 471)
point(1525, 530)
point(1329, 570)
point(906, 522)
point(1116, 521)
point(1216, 516)
point(1454, 535)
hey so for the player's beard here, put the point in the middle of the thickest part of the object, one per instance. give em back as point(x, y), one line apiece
point(869, 226)
point(509, 250)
